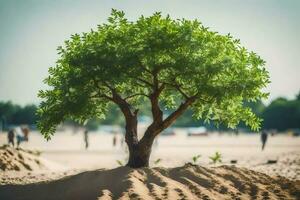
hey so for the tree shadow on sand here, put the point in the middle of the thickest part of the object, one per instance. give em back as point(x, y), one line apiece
point(186, 182)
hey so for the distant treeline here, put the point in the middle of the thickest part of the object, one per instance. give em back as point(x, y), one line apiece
point(281, 114)
point(15, 114)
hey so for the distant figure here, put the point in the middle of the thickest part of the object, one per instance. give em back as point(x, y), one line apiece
point(11, 137)
point(264, 138)
point(86, 139)
point(114, 140)
point(122, 141)
point(272, 133)
point(25, 131)
point(156, 142)
point(21, 136)
point(236, 132)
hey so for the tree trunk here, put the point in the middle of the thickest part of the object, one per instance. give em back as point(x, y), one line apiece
point(139, 151)
point(139, 156)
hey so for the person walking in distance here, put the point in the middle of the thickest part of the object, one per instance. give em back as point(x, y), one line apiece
point(25, 131)
point(264, 138)
point(86, 138)
point(115, 140)
point(11, 137)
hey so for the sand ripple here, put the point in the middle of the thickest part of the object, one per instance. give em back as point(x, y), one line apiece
point(186, 182)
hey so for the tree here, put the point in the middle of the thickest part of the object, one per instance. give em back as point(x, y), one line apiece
point(174, 63)
point(282, 114)
point(25, 115)
point(7, 111)
point(14, 114)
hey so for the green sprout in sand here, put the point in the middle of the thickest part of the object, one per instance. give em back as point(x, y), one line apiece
point(156, 162)
point(216, 158)
point(195, 159)
point(120, 162)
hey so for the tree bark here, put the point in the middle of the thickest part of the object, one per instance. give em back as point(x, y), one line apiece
point(139, 152)
point(139, 156)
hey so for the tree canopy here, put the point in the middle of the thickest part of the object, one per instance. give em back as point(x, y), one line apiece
point(175, 64)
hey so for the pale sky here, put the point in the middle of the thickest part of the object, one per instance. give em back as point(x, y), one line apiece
point(31, 30)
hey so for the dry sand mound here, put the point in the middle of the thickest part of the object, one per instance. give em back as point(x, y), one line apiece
point(12, 159)
point(187, 182)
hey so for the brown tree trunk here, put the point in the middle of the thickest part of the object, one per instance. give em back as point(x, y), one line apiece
point(139, 156)
point(139, 151)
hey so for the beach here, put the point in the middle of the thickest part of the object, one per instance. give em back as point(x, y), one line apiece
point(67, 150)
point(66, 158)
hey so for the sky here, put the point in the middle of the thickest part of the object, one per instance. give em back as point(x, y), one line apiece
point(31, 31)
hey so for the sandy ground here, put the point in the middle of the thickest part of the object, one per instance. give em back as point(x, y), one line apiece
point(68, 150)
point(18, 159)
point(73, 162)
point(187, 182)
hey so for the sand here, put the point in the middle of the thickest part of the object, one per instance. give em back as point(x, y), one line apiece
point(12, 159)
point(186, 182)
point(287, 165)
point(67, 149)
point(63, 169)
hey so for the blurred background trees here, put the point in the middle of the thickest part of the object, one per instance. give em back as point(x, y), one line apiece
point(16, 115)
point(281, 114)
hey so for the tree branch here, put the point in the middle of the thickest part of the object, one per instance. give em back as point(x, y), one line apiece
point(156, 111)
point(143, 81)
point(179, 89)
point(134, 95)
point(157, 115)
point(154, 129)
point(146, 70)
point(173, 116)
point(130, 117)
point(98, 94)
point(105, 96)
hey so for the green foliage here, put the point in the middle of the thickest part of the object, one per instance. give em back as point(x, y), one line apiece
point(15, 114)
point(113, 116)
point(282, 114)
point(120, 162)
point(7, 111)
point(257, 108)
point(26, 115)
point(216, 158)
point(184, 56)
point(195, 159)
point(156, 162)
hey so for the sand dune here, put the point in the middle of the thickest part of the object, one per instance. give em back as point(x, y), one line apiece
point(12, 159)
point(187, 182)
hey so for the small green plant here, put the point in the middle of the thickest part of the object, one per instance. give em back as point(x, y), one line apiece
point(216, 158)
point(195, 159)
point(120, 162)
point(156, 162)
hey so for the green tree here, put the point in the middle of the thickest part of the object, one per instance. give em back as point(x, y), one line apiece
point(174, 63)
point(14, 114)
point(7, 111)
point(25, 115)
point(282, 114)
